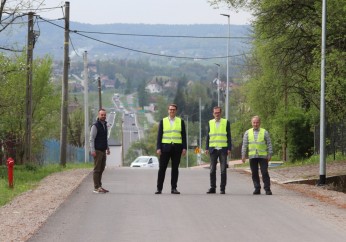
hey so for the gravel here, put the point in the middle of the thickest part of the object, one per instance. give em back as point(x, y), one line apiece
point(24, 215)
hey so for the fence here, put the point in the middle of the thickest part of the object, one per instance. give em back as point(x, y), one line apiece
point(335, 139)
point(51, 153)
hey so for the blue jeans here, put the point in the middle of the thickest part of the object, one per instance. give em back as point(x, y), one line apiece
point(222, 156)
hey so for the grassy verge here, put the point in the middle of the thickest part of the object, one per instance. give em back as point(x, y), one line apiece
point(315, 159)
point(27, 177)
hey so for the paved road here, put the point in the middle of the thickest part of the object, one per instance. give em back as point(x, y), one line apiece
point(131, 212)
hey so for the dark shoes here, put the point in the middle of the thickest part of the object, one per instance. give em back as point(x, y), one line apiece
point(222, 192)
point(257, 192)
point(269, 192)
point(175, 191)
point(211, 191)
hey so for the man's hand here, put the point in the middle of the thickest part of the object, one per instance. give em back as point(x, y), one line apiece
point(183, 152)
point(158, 151)
point(93, 154)
point(206, 152)
point(108, 151)
point(243, 159)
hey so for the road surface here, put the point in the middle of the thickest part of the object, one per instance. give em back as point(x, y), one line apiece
point(132, 212)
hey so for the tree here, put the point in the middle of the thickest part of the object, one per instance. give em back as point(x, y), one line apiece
point(45, 106)
point(287, 57)
point(11, 11)
point(142, 94)
point(145, 146)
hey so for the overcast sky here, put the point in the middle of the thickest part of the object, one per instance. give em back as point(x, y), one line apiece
point(145, 11)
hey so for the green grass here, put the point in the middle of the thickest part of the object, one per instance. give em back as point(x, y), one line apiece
point(27, 177)
point(315, 159)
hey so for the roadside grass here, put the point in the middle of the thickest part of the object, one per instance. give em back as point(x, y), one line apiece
point(315, 159)
point(26, 177)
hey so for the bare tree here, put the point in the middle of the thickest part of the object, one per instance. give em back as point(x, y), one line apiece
point(12, 10)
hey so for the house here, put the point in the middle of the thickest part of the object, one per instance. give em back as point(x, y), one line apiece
point(153, 87)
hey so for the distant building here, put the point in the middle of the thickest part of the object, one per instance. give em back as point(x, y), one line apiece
point(150, 108)
point(153, 88)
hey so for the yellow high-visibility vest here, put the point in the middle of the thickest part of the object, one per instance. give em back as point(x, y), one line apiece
point(257, 146)
point(172, 134)
point(218, 135)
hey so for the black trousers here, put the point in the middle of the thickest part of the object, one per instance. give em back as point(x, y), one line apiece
point(222, 156)
point(173, 154)
point(263, 163)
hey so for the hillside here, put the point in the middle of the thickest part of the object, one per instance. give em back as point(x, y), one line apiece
point(121, 40)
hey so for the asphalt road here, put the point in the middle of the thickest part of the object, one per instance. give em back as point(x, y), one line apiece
point(132, 212)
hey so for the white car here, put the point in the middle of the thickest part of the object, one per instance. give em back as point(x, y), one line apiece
point(145, 162)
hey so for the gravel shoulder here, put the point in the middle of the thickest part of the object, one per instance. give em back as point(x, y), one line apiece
point(26, 213)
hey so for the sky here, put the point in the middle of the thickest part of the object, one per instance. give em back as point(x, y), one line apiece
point(145, 11)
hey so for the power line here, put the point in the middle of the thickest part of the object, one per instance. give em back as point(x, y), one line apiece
point(159, 36)
point(9, 49)
point(140, 51)
point(156, 54)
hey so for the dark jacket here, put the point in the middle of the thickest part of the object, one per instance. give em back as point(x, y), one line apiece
point(101, 139)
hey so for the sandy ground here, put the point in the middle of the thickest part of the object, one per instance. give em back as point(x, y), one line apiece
point(26, 213)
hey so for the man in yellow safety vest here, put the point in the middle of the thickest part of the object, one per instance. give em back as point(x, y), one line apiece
point(258, 144)
point(218, 145)
point(170, 145)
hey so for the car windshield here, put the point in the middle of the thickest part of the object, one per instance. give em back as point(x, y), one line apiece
point(141, 160)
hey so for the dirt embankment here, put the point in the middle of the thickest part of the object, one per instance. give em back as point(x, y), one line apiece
point(323, 193)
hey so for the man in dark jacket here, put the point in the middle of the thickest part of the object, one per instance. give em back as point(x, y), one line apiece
point(99, 148)
point(171, 144)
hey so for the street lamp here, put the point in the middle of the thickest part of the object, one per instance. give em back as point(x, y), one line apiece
point(227, 15)
point(218, 84)
point(322, 180)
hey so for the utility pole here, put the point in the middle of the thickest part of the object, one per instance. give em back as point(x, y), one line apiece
point(28, 106)
point(86, 109)
point(99, 87)
point(200, 131)
point(218, 84)
point(64, 101)
point(187, 141)
point(227, 87)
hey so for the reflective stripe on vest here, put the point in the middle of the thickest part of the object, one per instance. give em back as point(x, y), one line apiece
point(171, 134)
point(257, 146)
point(218, 135)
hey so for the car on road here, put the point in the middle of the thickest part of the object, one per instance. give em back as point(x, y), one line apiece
point(145, 162)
